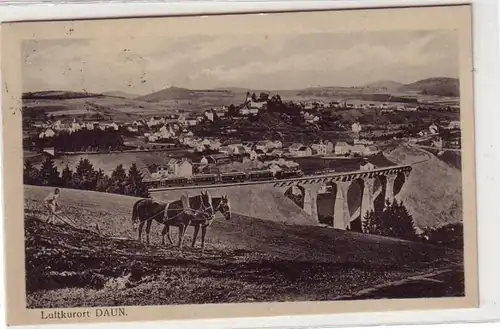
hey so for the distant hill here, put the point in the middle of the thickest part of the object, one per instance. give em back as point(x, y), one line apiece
point(171, 93)
point(386, 85)
point(61, 104)
point(121, 94)
point(58, 94)
point(435, 86)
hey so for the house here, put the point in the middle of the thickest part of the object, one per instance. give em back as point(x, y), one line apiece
point(366, 165)
point(239, 150)
point(256, 154)
point(192, 121)
point(181, 168)
point(304, 151)
point(75, 126)
point(276, 144)
point(276, 152)
point(204, 161)
point(226, 149)
point(220, 114)
point(438, 143)
point(293, 149)
point(342, 148)
point(219, 158)
point(214, 145)
point(161, 171)
point(323, 148)
point(49, 150)
point(244, 111)
point(248, 146)
point(47, 133)
point(261, 145)
point(209, 115)
point(369, 150)
point(454, 125)
point(358, 149)
point(356, 127)
point(145, 173)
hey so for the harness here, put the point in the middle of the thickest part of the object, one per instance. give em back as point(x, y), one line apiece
point(202, 210)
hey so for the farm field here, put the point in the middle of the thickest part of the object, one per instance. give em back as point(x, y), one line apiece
point(246, 260)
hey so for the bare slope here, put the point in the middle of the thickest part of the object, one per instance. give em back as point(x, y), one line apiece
point(246, 260)
point(433, 192)
point(257, 201)
point(78, 104)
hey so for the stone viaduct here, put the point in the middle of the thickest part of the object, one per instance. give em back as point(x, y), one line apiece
point(352, 194)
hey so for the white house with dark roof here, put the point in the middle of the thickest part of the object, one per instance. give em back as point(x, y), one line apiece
point(180, 167)
point(294, 147)
point(304, 151)
point(342, 148)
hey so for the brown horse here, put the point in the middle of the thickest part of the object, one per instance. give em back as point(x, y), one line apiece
point(220, 204)
point(144, 211)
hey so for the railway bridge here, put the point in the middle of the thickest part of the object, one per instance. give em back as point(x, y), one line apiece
point(352, 194)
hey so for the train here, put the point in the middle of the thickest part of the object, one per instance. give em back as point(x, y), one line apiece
point(224, 178)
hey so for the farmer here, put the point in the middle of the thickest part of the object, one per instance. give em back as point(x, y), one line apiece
point(52, 205)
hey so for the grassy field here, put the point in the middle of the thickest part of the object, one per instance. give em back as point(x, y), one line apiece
point(247, 260)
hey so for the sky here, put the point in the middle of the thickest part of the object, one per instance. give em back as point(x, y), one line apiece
point(255, 61)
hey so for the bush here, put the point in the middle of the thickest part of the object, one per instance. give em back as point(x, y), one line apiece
point(393, 221)
point(449, 235)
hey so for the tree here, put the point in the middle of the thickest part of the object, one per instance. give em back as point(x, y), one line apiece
point(67, 177)
point(49, 176)
point(135, 185)
point(119, 174)
point(103, 181)
point(118, 180)
point(31, 175)
point(394, 221)
point(263, 97)
point(232, 111)
point(85, 177)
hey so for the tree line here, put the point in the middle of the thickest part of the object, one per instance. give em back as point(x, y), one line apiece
point(86, 177)
point(82, 140)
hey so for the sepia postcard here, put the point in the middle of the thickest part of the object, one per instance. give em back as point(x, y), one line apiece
point(242, 165)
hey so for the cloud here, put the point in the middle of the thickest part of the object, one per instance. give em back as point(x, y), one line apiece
point(255, 61)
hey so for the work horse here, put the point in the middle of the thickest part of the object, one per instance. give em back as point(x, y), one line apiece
point(198, 211)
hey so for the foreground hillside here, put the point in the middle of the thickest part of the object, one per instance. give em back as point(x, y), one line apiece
point(433, 192)
point(246, 260)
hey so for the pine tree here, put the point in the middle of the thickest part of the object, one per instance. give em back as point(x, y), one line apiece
point(103, 181)
point(119, 174)
point(49, 174)
point(85, 177)
point(67, 177)
point(118, 180)
point(135, 185)
point(31, 175)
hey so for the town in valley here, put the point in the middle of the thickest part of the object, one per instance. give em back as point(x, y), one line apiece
point(339, 182)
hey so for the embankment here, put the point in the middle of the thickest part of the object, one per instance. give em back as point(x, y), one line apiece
point(433, 192)
point(256, 201)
